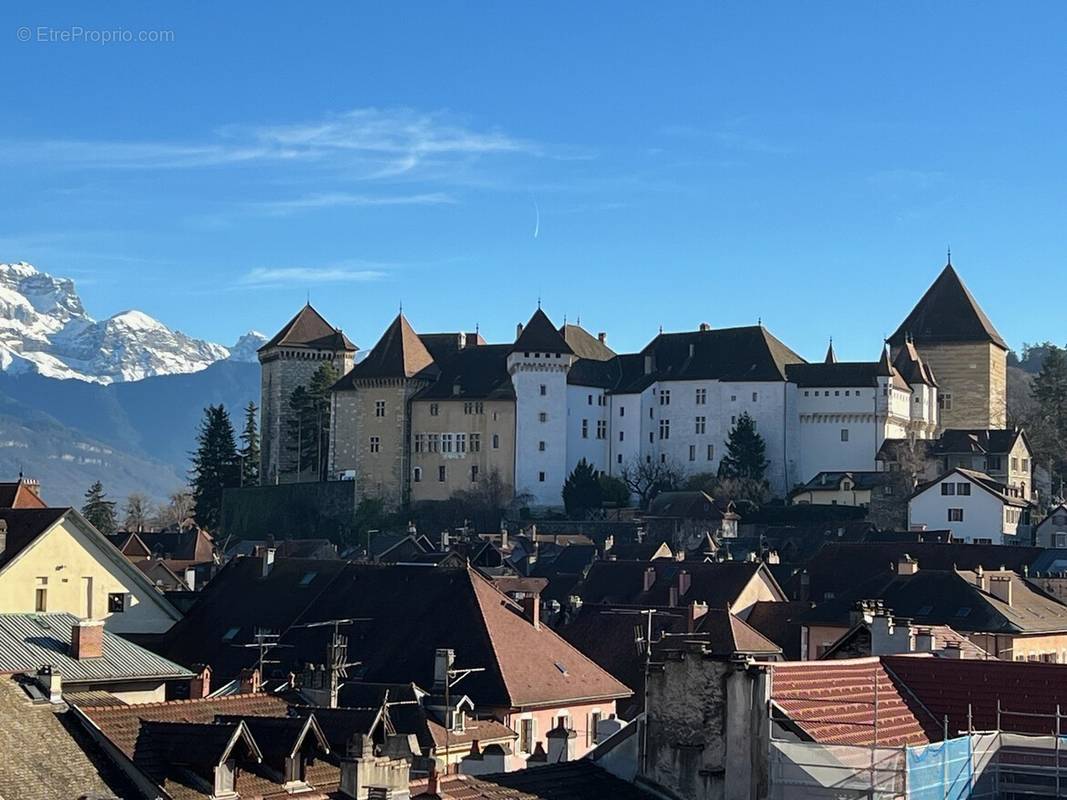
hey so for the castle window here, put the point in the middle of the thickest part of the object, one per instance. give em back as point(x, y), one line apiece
point(663, 458)
point(379, 408)
point(665, 397)
point(651, 437)
point(541, 477)
point(446, 442)
point(417, 474)
point(711, 452)
point(755, 396)
point(806, 393)
point(944, 401)
point(590, 399)
point(702, 397)
point(433, 409)
point(733, 398)
point(542, 417)
point(701, 425)
point(665, 429)
point(1014, 464)
point(544, 390)
point(618, 458)
point(375, 444)
point(692, 452)
point(963, 489)
point(622, 436)
point(650, 413)
point(461, 443)
point(441, 474)
point(622, 411)
point(948, 489)
point(420, 442)
point(585, 429)
point(433, 442)
point(955, 515)
point(496, 441)
point(474, 473)
point(844, 434)
point(601, 429)
point(541, 447)
point(476, 442)
point(837, 392)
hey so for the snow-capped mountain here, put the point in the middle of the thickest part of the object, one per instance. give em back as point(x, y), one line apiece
point(44, 328)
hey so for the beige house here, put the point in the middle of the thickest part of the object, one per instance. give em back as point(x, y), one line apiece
point(969, 358)
point(53, 560)
point(463, 426)
point(839, 489)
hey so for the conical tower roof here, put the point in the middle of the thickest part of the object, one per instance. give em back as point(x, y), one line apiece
point(831, 356)
point(398, 354)
point(947, 313)
point(310, 329)
point(540, 335)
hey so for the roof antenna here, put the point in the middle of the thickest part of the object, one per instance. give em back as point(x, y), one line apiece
point(401, 308)
point(950, 255)
point(759, 321)
point(307, 301)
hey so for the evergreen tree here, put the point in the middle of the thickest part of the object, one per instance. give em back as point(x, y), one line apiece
point(299, 432)
point(249, 451)
point(581, 490)
point(745, 452)
point(319, 414)
point(99, 510)
point(215, 466)
point(1050, 393)
point(614, 491)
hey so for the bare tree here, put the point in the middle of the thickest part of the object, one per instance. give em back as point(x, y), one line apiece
point(648, 478)
point(905, 467)
point(176, 510)
point(136, 512)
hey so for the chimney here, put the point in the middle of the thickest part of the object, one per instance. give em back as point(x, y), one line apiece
point(648, 579)
point(560, 743)
point(805, 586)
point(602, 337)
point(1000, 588)
point(684, 581)
point(531, 609)
point(952, 650)
point(442, 663)
point(266, 561)
point(518, 331)
point(190, 578)
point(672, 596)
point(925, 641)
point(3, 535)
point(648, 365)
point(87, 639)
point(461, 340)
point(697, 610)
point(249, 681)
point(906, 565)
point(704, 327)
point(51, 682)
point(200, 686)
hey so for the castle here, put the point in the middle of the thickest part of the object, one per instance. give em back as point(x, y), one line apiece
point(425, 415)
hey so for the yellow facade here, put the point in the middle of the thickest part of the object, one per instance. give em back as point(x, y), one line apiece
point(69, 569)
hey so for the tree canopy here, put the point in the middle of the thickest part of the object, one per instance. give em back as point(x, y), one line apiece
point(99, 510)
point(745, 452)
point(215, 466)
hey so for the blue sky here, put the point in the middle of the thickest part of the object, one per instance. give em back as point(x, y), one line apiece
point(634, 165)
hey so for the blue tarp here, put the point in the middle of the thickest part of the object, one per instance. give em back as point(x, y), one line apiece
point(940, 771)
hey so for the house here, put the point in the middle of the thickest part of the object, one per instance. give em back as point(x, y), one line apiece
point(879, 634)
point(78, 656)
point(973, 506)
point(531, 679)
point(23, 493)
point(1052, 530)
point(53, 560)
point(687, 519)
point(840, 488)
point(174, 560)
point(579, 780)
point(998, 610)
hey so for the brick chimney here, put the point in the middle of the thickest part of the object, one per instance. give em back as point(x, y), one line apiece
point(697, 610)
point(266, 561)
point(705, 327)
point(531, 609)
point(684, 581)
point(648, 579)
point(250, 681)
point(87, 639)
point(200, 686)
point(1000, 586)
point(906, 565)
point(602, 337)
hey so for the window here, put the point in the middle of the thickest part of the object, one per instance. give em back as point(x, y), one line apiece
point(663, 458)
point(590, 399)
point(665, 397)
point(433, 443)
point(955, 515)
point(665, 429)
point(526, 735)
point(541, 477)
point(1060, 540)
point(944, 401)
point(701, 425)
point(461, 443)
point(650, 413)
point(417, 474)
point(585, 429)
point(948, 489)
point(375, 444)
point(702, 397)
point(441, 474)
point(116, 602)
point(844, 434)
point(594, 723)
point(542, 417)
point(420, 442)
point(446, 442)
point(755, 396)
point(651, 437)
point(476, 443)
point(618, 458)
point(733, 398)
point(541, 446)
point(544, 390)
point(379, 408)
point(1014, 464)
point(474, 473)
point(622, 411)
point(711, 452)
point(622, 436)
point(601, 429)
point(993, 463)
point(1026, 465)
point(963, 489)
point(40, 604)
point(434, 409)
point(496, 441)
point(692, 452)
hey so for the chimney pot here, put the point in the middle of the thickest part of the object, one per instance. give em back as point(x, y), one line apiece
point(704, 327)
point(907, 565)
point(87, 639)
point(531, 609)
point(518, 330)
point(602, 337)
point(649, 579)
point(1001, 588)
point(266, 561)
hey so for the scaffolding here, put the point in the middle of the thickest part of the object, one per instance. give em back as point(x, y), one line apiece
point(975, 765)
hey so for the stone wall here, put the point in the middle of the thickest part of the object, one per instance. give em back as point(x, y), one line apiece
point(975, 375)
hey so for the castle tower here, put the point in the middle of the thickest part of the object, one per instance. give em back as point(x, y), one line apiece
point(370, 440)
point(956, 340)
point(287, 361)
point(538, 365)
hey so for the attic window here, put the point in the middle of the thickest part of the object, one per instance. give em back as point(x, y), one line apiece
point(965, 611)
point(231, 634)
point(308, 578)
point(560, 667)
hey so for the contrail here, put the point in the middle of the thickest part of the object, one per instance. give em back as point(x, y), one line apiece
point(537, 220)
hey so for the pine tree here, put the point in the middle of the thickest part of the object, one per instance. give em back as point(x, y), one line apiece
point(299, 435)
point(581, 491)
point(215, 466)
point(98, 510)
point(745, 452)
point(1050, 392)
point(249, 451)
point(319, 414)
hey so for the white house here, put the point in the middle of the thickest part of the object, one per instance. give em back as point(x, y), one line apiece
point(1052, 530)
point(973, 506)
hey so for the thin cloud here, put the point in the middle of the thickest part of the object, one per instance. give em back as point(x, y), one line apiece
point(731, 138)
point(269, 277)
point(346, 199)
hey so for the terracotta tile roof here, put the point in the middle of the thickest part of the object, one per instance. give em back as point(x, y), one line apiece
point(835, 702)
point(947, 313)
point(398, 354)
point(18, 494)
point(309, 329)
point(948, 686)
point(572, 780)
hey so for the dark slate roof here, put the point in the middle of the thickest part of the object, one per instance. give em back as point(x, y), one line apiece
point(779, 622)
point(24, 525)
point(688, 505)
point(912, 368)
point(309, 329)
point(716, 584)
point(838, 373)
point(446, 345)
point(979, 479)
point(585, 345)
point(398, 354)
point(540, 335)
point(947, 313)
point(829, 481)
point(29, 640)
point(729, 354)
point(570, 780)
point(596, 373)
point(977, 441)
point(473, 373)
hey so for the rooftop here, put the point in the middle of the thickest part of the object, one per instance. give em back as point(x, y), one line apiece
point(947, 313)
point(309, 329)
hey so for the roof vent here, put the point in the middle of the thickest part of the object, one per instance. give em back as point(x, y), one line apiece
point(705, 327)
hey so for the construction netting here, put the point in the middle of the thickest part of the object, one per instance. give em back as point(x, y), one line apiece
point(941, 771)
point(809, 771)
